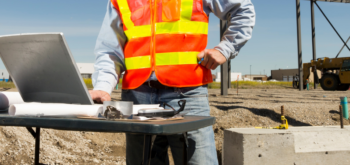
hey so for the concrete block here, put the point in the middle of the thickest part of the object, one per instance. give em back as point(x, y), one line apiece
point(296, 146)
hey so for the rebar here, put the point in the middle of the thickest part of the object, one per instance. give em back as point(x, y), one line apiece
point(282, 114)
point(341, 117)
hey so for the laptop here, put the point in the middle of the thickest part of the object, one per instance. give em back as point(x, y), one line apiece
point(43, 69)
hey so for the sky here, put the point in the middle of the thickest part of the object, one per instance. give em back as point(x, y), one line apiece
point(273, 44)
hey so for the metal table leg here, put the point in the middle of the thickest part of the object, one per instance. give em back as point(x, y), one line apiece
point(185, 151)
point(36, 135)
point(37, 146)
point(147, 148)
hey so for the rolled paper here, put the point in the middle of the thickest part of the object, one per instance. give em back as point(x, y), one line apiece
point(9, 98)
point(55, 109)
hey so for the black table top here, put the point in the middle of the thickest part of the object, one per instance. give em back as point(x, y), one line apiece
point(189, 123)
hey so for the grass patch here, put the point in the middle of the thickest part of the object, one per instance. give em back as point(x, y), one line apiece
point(4, 84)
point(88, 83)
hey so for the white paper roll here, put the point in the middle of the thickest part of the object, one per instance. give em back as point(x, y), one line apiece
point(9, 98)
point(53, 109)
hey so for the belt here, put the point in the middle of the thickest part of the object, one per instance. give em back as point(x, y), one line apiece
point(156, 85)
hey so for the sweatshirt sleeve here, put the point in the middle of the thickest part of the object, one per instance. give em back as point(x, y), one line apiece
point(240, 17)
point(109, 53)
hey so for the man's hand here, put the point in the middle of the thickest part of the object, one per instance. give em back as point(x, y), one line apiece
point(99, 96)
point(212, 58)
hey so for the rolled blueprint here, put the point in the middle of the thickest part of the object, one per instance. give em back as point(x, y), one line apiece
point(55, 109)
point(9, 98)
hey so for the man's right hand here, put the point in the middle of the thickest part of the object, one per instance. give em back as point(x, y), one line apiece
point(99, 96)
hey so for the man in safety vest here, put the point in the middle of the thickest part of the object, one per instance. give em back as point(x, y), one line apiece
point(159, 44)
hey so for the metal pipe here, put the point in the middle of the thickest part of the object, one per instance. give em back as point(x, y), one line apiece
point(342, 48)
point(185, 149)
point(332, 25)
point(224, 84)
point(229, 73)
point(37, 146)
point(300, 62)
point(341, 117)
point(344, 104)
point(31, 131)
point(147, 148)
point(313, 39)
point(224, 66)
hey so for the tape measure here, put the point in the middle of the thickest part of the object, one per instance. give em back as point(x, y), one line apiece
point(282, 126)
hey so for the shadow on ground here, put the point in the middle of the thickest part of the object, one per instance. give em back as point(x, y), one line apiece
point(266, 113)
point(218, 102)
point(334, 112)
point(4, 89)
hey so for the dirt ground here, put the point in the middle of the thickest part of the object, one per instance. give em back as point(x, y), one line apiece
point(250, 108)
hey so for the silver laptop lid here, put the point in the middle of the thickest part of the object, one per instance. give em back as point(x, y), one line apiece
point(43, 69)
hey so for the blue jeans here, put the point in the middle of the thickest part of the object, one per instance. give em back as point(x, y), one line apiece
point(201, 151)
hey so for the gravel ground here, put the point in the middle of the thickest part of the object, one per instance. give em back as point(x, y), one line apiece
point(262, 107)
point(250, 108)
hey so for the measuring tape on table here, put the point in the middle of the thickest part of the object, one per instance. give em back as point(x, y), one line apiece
point(282, 126)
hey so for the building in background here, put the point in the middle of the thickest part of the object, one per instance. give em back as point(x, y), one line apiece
point(255, 77)
point(4, 75)
point(287, 74)
point(86, 69)
point(233, 76)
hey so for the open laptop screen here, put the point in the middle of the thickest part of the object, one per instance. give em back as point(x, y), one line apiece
point(43, 69)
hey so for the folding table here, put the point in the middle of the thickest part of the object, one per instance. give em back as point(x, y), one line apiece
point(150, 129)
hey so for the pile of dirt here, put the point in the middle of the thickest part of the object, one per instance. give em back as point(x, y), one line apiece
point(61, 147)
point(250, 108)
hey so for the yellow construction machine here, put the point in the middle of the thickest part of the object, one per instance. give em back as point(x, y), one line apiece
point(335, 73)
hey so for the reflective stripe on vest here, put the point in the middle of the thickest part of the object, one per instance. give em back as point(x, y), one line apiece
point(168, 28)
point(171, 58)
point(171, 51)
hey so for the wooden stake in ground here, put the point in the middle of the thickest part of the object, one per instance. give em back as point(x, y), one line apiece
point(341, 117)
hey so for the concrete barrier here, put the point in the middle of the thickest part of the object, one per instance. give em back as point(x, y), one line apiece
point(296, 146)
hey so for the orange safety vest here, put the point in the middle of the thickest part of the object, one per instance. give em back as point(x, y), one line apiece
point(164, 36)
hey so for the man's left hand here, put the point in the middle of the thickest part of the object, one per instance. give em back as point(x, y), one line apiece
point(212, 58)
